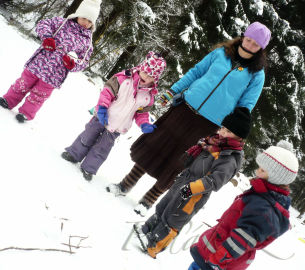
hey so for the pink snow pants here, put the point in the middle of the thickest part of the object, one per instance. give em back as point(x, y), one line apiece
point(39, 93)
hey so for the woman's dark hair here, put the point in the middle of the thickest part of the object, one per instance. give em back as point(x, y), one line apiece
point(258, 60)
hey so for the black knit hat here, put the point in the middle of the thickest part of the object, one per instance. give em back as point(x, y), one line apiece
point(239, 122)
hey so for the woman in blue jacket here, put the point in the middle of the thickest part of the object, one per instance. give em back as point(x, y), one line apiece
point(230, 76)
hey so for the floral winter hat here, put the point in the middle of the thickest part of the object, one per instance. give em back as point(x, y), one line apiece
point(153, 65)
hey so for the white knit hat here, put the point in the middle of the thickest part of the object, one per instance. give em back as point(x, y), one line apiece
point(280, 163)
point(89, 9)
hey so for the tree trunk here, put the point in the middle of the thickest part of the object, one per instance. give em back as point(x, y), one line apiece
point(120, 64)
point(74, 6)
point(45, 10)
point(100, 29)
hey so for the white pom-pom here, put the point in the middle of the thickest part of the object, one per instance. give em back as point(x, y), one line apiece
point(286, 145)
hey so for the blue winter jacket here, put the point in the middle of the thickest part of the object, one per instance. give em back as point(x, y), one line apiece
point(239, 88)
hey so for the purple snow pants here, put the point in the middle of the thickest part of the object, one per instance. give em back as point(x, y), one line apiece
point(92, 146)
point(39, 93)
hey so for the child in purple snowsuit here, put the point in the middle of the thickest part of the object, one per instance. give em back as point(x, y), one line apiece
point(126, 96)
point(66, 46)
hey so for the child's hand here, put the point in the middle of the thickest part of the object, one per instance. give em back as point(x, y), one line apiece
point(102, 115)
point(186, 192)
point(148, 128)
point(49, 44)
point(68, 62)
point(166, 97)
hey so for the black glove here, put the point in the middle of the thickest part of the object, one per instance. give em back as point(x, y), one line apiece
point(177, 99)
point(186, 192)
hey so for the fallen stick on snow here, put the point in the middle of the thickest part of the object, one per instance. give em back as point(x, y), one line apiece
point(278, 257)
point(37, 249)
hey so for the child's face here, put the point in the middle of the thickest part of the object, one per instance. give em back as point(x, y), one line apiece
point(145, 80)
point(225, 133)
point(261, 173)
point(84, 22)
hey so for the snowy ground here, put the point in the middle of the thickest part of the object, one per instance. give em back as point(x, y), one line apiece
point(44, 200)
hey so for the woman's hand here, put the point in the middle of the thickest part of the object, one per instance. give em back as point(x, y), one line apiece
point(166, 97)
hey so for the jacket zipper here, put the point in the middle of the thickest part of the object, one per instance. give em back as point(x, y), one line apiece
point(233, 67)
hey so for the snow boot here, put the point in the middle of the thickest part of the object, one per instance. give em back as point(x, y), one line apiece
point(151, 223)
point(3, 103)
point(142, 208)
point(86, 175)
point(21, 118)
point(159, 239)
point(116, 189)
point(67, 156)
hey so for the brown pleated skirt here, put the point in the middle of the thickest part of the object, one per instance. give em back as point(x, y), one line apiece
point(159, 153)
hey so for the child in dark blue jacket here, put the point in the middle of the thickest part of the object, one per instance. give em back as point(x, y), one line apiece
point(255, 219)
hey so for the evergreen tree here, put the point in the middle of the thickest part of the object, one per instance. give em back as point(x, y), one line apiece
point(72, 8)
point(185, 31)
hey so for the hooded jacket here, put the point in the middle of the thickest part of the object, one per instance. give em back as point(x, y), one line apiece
point(254, 220)
point(126, 101)
point(71, 37)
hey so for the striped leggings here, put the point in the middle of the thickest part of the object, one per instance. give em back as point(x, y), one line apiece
point(131, 180)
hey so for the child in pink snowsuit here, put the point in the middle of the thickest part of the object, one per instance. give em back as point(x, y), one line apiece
point(126, 96)
point(66, 46)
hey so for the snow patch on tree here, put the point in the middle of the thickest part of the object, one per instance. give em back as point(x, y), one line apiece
point(179, 70)
point(222, 5)
point(194, 23)
point(146, 11)
point(257, 6)
point(295, 57)
point(271, 13)
point(185, 35)
point(239, 25)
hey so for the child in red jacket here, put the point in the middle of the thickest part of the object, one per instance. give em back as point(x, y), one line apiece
point(255, 219)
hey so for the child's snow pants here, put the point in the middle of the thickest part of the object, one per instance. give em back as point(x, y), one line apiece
point(28, 83)
point(92, 146)
point(172, 213)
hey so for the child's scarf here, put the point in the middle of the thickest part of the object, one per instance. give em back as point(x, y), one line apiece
point(262, 186)
point(214, 144)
